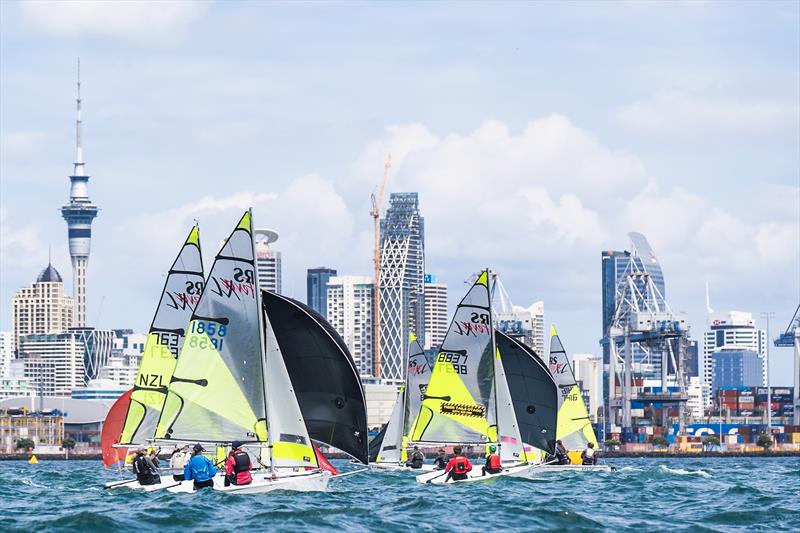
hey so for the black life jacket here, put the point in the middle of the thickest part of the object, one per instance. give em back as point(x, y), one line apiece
point(460, 466)
point(142, 469)
point(241, 461)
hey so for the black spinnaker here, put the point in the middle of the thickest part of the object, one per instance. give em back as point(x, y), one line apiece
point(533, 392)
point(323, 374)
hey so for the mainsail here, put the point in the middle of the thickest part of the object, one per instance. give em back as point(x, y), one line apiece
point(456, 403)
point(217, 392)
point(181, 293)
point(574, 427)
point(324, 377)
point(417, 375)
point(533, 392)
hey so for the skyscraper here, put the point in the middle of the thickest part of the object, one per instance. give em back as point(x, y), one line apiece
point(437, 319)
point(44, 307)
point(268, 261)
point(402, 299)
point(350, 312)
point(79, 214)
point(317, 288)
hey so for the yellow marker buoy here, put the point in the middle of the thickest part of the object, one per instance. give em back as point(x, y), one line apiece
point(33, 460)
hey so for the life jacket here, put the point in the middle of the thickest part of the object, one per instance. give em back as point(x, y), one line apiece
point(241, 462)
point(460, 466)
point(142, 469)
point(494, 461)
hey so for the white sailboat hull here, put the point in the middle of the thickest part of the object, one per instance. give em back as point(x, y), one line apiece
point(438, 477)
point(577, 468)
point(262, 483)
point(396, 467)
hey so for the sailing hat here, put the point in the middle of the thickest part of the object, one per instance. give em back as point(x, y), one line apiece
point(199, 447)
point(236, 444)
point(492, 448)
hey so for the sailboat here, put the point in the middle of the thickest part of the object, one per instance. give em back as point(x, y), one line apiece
point(132, 420)
point(391, 443)
point(468, 399)
point(231, 382)
point(574, 427)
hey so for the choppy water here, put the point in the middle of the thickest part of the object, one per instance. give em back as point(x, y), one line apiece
point(645, 494)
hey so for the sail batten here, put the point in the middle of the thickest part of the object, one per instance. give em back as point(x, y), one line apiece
point(166, 336)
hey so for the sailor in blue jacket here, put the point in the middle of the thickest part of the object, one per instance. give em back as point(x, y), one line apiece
point(200, 469)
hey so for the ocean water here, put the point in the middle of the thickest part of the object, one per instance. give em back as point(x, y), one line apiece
point(730, 494)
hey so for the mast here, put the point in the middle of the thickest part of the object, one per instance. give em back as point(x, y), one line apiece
point(261, 341)
point(494, 352)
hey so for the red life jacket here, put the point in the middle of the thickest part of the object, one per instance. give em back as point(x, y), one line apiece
point(494, 462)
point(460, 465)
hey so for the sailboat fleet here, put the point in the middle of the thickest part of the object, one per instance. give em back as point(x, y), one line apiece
point(227, 363)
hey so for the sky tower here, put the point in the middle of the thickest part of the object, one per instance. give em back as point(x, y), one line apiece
point(79, 213)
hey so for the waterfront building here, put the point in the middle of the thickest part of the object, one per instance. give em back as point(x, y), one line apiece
point(79, 214)
point(735, 368)
point(317, 289)
point(733, 330)
point(692, 359)
point(45, 429)
point(6, 353)
point(525, 324)
point(588, 369)
point(42, 308)
point(56, 363)
point(101, 389)
point(15, 388)
point(268, 261)
point(437, 318)
point(402, 291)
point(380, 398)
point(697, 393)
point(350, 304)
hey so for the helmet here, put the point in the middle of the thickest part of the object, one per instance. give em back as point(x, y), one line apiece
point(492, 448)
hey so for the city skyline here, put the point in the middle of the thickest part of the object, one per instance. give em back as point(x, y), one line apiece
point(537, 165)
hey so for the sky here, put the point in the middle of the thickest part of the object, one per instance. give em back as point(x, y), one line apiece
point(537, 135)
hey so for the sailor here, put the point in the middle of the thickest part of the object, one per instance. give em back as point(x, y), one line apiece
point(417, 458)
point(589, 455)
point(458, 466)
point(441, 460)
point(200, 468)
point(561, 455)
point(146, 472)
point(177, 461)
point(238, 466)
point(492, 465)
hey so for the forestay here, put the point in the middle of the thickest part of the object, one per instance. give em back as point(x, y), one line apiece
point(179, 297)
point(533, 392)
point(217, 390)
point(455, 406)
point(574, 426)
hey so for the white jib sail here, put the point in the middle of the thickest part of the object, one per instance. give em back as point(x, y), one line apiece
point(512, 449)
point(391, 448)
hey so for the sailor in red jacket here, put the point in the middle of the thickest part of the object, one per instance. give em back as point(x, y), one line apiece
point(238, 465)
point(458, 466)
point(492, 465)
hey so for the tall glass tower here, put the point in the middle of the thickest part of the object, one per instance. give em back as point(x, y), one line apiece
point(79, 214)
point(317, 288)
point(402, 284)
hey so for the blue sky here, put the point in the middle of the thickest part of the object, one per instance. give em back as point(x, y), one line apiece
point(537, 135)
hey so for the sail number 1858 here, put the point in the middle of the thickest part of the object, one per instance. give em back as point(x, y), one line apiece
point(215, 334)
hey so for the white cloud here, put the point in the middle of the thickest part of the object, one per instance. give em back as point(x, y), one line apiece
point(683, 113)
point(140, 21)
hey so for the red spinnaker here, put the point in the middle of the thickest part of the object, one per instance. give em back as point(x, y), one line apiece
point(323, 462)
point(112, 429)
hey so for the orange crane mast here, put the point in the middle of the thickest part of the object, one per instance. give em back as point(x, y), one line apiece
point(375, 213)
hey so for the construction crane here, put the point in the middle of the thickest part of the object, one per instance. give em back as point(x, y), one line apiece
point(375, 213)
point(791, 338)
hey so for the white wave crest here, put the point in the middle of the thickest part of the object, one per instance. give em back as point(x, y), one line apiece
point(684, 472)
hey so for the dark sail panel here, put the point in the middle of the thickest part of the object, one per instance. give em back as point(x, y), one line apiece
point(323, 374)
point(533, 392)
point(376, 443)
